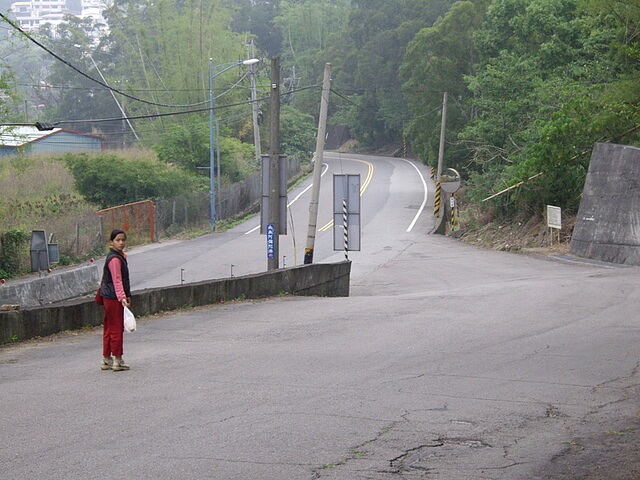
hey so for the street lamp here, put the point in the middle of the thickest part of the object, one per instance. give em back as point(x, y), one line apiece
point(212, 186)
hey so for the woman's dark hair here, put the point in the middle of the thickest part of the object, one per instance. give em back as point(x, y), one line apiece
point(116, 232)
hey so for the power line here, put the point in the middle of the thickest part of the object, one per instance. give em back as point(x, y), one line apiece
point(346, 99)
point(155, 115)
point(185, 112)
point(147, 90)
point(30, 38)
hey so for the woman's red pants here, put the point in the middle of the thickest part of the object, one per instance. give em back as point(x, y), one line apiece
point(113, 328)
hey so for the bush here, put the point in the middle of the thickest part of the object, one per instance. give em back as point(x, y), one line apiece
point(108, 179)
point(297, 132)
point(188, 146)
point(237, 159)
point(14, 246)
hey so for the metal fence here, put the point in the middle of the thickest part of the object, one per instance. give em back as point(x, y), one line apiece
point(189, 211)
point(137, 219)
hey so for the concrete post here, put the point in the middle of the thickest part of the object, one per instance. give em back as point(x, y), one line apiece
point(317, 168)
point(274, 162)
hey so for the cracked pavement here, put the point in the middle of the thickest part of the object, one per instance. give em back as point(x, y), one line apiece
point(447, 362)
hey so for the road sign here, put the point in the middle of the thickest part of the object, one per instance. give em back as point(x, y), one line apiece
point(554, 217)
point(450, 180)
point(271, 239)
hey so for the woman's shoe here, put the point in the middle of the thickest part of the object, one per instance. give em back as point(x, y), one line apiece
point(119, 365)
point(107, 363)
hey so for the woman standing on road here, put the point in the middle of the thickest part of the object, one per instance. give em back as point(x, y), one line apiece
point(116, 293)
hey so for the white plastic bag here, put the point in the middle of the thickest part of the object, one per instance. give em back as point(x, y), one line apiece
point(129, 320)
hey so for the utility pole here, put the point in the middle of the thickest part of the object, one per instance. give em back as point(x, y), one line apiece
point(218, 170)
point(442, 227)
point(212, 150)
point(443, 128)
point(274, 164)
point(254, 108)
point(317, 167)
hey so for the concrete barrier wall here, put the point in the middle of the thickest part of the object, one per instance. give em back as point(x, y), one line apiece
point(322, 279)
point(50, 287)
point(608, 222)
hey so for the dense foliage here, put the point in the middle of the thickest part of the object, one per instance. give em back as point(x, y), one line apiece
point(14, 244)
point(297, 132)
point(188, 147)
point(109, 179)
point(563, 83)
point(531, 84)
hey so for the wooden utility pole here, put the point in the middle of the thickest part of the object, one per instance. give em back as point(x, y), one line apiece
point(317, 167)
point(274, 165)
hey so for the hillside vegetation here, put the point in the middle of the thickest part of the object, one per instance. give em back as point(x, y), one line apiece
point(62, 195)
point(38, 193)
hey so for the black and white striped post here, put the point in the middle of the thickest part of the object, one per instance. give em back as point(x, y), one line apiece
point(345, 228)
point(346, 204)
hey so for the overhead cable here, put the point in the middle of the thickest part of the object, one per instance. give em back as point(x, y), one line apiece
point(95, 80)
point(184, 112)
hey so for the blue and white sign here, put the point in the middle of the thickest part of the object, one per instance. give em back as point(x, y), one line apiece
point(271, 234)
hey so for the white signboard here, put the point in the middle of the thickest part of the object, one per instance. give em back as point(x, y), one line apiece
point(554, 217)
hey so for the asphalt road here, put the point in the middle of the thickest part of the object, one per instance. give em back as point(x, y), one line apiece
point(446, 362)
point(396, 196)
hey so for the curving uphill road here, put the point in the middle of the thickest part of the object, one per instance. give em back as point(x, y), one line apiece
point(395, 205)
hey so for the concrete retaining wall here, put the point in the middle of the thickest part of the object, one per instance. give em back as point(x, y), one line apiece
point(322, 279)
point(50, 287)
point(608, 222)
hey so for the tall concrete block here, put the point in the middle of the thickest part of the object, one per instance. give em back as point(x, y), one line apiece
point(608, 222)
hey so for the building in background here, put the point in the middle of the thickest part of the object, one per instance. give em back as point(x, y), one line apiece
point(31, 15)
point(29, 141)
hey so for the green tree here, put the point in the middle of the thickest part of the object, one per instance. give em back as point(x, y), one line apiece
point(237, 159)
point(307, 27)
point(552, 81)
point(368, 54)
point(188, 146)
point(68, 95)
point(437, 60)
point(257, 17)
point(163, 50)
point(15, 63)
point(108, 179)
point(297, 130)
